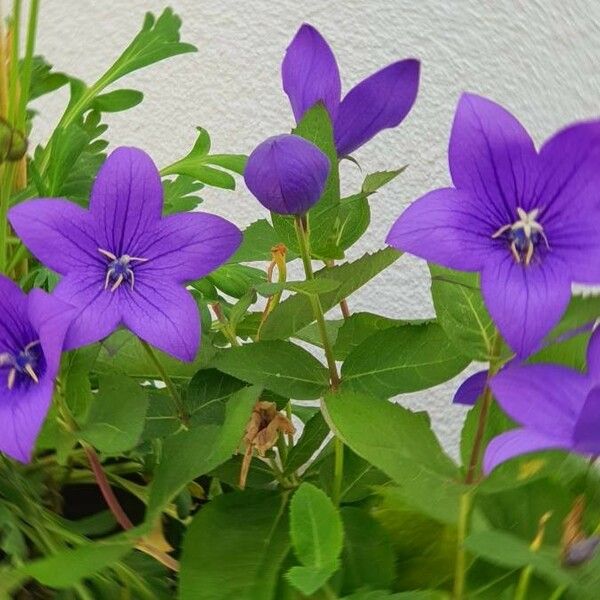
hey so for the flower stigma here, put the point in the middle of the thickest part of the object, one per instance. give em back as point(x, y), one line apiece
point(119, 269)
point(24, 362)
point(523, 235)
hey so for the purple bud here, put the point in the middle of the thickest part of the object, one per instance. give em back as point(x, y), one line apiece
point(287, 174)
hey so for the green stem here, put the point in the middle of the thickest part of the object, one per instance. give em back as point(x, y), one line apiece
point(523, 584)
point(558, 592)
point(460, 570)
point(27, 65)
point(182, 413)
point(13, 75)
point(300, 224)
point(486, 403)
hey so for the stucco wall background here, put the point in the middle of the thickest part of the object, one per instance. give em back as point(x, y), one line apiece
point(539, 58)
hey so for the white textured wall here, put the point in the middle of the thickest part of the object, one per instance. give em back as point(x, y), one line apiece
point(540, 58)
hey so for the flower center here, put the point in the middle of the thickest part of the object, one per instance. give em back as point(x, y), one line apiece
point(119, 269)
point(523, 235)
point(22, 364)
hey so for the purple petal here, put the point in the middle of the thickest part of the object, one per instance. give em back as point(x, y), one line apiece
point(189, 246)
point(471, 389)
point(492, 156)
point(587, 430)
point(126, 200)
point(21, 418)
point(98, 311)
point(287, 174)
point(444, 227)
point(525, 302)
point(164, 315)
point(59, 233)
point(310, 73)
point(544, 398)
point(517, 442)
point(15, 329)
point(378, 102)
point(568, 188)
point(51, 318)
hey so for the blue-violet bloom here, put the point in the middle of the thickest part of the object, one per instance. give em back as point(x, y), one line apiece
point(32, 331)
point(122, 262)
point(558, 409)
point(526, 220)
point(310, 74)
point(287, 174)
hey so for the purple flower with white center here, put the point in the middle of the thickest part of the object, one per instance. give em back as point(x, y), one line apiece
point(287, 174)
point(310, 74)
point(32, 331)
point(526, 220)
point(124, 264)
point(558, 409)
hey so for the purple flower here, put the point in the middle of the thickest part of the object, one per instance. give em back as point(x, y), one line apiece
point(310, 74)
point(32, 330)
point(122, 263)
point(557, 407)
point(287, 174)
point(527, 220)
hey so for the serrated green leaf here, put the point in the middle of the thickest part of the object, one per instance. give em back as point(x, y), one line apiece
point(117, 101)
point(312, 287)
point(234, 548)
point(461, 312)
point(259, 238)
point(277, 365)
point(179, 194)
point(296, 312)
point(317, 537)
point(116, 417)
point(402, 359)
point(123, 353)
point(194, 452)
point(314, 434)
point(377, 180)
point(231, 162)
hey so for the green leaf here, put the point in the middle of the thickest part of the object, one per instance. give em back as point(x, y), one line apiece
point(280, 366)
point(116, 418)
point(402, 359)
point(123, 353)
point(401, 444)
point(314, 434)
point(312, 287)
point(296, 312)
point(461, 312)
point(259, 238)
point(67, 567)
point(208, 394)
point(358, 327)
point(317, 537)
point(157, 40)
point(43, 79)
point(385, 595)
point(368, 558)
point(234, 548)
point(117, 101)
point(507, 550)
point(195, 164)
point(354, 216)
point(374, 181)
point(236, 280)
point(323, 217)
point(179, 194)
point(194, 452)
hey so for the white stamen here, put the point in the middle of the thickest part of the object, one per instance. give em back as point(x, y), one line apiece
point(5, 359)
point(29, 370)
point(108, 254)
point(12, 375)
point(117, 283)
point(32, 345)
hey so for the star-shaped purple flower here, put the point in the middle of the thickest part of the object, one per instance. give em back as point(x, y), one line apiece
point(32, 330)
point(558, 408)
point(122, 263)
point(527, 220)
point(310, 74)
